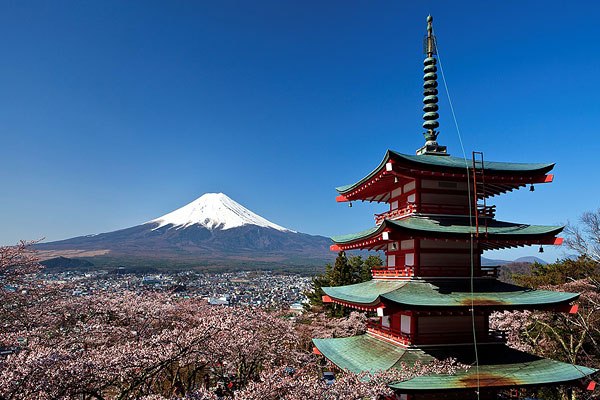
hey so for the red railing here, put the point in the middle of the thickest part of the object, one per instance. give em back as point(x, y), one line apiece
point(389, 272)
point(493, 335)
point(434, 208)
point(397, 213)
point(389, 333)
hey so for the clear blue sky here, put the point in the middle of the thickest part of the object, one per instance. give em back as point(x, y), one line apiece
point(113, 113)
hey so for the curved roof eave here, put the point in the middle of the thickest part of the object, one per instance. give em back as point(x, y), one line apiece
point(453, 227)
point(351, 237)
point(499, 365)
point(365, 293)
point(489, 293)
point(451, 164)
point(347, 188)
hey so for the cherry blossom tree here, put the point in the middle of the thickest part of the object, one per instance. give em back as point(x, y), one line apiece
point(279, 384)
point(127, 345)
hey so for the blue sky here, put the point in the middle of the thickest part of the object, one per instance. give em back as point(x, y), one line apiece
point(113, 113)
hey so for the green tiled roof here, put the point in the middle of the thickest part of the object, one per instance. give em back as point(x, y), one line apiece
point(499, 365)
point(452, 164)
point(351, 237)
point(447, 293)
point(453, 227)
point(363, 293)
point(360, 353)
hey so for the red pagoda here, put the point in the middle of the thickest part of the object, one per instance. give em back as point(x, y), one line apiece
point(433, 298)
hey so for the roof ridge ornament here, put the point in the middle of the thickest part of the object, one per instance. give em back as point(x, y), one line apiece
point(430, 98)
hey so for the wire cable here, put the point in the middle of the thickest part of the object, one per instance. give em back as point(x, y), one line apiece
point(472, 279)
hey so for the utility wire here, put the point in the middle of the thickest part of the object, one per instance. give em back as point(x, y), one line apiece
point(470, 213)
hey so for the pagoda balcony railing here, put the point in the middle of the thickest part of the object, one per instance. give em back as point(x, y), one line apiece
point(434, 208)
point(402, 272)
point(410, 208)
point(493, 335)
point(389, 333)
point(409, 271)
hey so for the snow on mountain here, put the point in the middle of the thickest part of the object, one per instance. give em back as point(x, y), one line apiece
point(214, 211)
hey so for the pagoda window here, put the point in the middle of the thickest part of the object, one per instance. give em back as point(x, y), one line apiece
point(391, 260)
point(394, 205)
point(409, 186)
point(385, 321)
point(407, 244)
point(412, 198)
point(405, 324)
point(396, 193)
point(409, 259)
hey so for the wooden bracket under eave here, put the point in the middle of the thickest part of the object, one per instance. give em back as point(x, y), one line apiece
point(554, 241)
point(326, 299)
point(316, 351)
point(566, 308)
point(335, 247)
point(341, 199)
point(542, 179)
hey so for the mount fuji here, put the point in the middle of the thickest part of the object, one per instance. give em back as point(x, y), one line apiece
point(211, 231)
point(214, 211)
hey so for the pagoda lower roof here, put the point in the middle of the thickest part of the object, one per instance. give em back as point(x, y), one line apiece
point(487, 292)
point(446, 227)
point(499, 365)
point(500, 176)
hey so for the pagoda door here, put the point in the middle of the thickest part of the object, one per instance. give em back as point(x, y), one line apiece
point(396, 322)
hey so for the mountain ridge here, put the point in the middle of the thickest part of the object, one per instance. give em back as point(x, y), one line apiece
point(213, 229)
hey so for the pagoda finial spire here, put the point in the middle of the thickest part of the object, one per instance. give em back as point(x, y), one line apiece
point(430, 96)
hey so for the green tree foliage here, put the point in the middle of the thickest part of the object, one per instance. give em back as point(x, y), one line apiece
point(345, 271)
point(372, 262)
point(561, 272)
point(572, 338)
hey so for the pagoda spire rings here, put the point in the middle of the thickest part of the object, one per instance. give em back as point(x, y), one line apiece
point(430, 99)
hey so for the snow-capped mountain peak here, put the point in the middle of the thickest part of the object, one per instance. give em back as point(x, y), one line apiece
point(214, 211)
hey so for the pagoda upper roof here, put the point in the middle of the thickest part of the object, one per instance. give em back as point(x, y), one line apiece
point(499, 233)
point(487, 292)
point(499, 365)
point(500, 176)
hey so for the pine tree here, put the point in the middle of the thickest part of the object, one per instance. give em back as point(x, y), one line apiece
point(344, 271)
point(356, 265)
point(315, 296)
point(341, 273)
point(372, 262)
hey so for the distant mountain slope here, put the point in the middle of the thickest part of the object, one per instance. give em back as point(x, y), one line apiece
point(527, 259)
point(65, 263)
point(213, 229)
point(488, 262)
point(530, 259)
